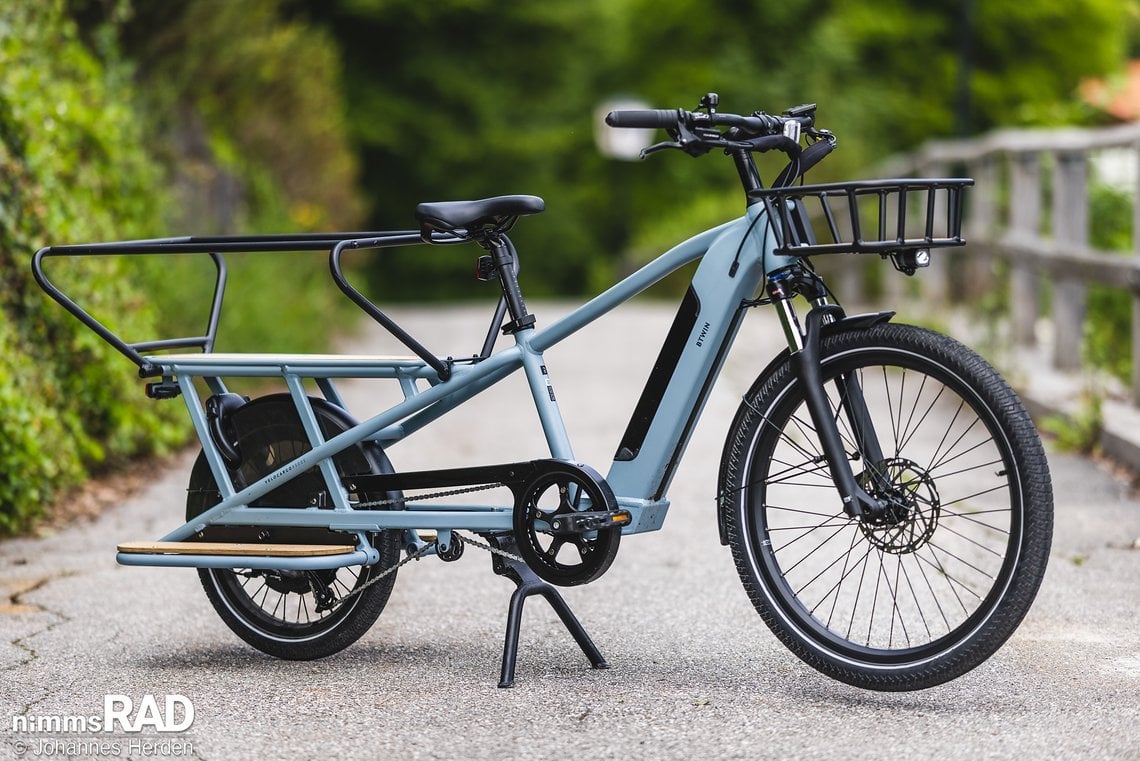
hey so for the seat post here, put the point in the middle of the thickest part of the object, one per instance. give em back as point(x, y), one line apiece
point(504, 258)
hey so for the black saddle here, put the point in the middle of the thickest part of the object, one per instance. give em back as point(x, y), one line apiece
point(475, 217)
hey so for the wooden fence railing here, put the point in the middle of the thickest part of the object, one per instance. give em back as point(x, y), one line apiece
point(1030, 207)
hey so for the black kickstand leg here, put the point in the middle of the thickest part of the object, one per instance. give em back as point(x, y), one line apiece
point(530, 584)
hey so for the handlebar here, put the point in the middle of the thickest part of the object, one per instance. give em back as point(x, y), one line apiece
point(698, 132)
point(645, 118)
point(758, 124)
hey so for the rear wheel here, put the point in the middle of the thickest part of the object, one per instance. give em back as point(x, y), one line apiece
point(930, 587)
point(296, 615)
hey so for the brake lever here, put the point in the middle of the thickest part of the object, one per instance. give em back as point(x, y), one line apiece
point(687, 141)
point(659, 147)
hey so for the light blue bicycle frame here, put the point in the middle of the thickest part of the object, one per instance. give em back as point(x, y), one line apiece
point(735, 258)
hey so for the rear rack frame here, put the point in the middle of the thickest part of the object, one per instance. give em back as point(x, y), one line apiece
point(215, 247)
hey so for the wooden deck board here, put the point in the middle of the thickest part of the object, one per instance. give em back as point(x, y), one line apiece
point(234, 548)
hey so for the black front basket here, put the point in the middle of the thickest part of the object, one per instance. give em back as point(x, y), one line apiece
point(873, 216)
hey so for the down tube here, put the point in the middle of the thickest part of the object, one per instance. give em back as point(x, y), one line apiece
point(690, 361)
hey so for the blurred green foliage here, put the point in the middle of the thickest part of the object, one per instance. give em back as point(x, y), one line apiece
point(1109, 310)
point(104, 137)
point(469, 98)
point(124, 119)
point(74, 167)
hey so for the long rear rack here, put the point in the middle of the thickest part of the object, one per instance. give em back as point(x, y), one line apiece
point(214, 247)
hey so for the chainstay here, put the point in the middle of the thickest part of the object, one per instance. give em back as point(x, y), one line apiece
point(419, 553)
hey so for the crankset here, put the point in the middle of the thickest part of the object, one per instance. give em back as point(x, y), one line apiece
point(566, 519)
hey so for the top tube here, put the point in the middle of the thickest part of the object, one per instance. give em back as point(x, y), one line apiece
point(653, 272)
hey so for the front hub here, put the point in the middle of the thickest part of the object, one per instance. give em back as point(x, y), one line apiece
point(909, 510)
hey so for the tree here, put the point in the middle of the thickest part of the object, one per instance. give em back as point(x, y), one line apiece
point(469, 98)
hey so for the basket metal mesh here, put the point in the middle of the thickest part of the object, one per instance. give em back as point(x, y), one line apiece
point(872, 216)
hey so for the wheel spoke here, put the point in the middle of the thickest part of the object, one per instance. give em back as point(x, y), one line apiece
point(907, 437)
point(812, 552)
point(946, 459)
point(904, 433)
point(914, 596)
point(771, 506)
point(972, 519)
point(976, 494)
point(842, 577)
point(890, 602)
point(845, 556)
point(891, 407)
point(858, 591)
point(953, 583)
point(811, 529)
point(971, 468)
point(974, 542)
point(817, 468)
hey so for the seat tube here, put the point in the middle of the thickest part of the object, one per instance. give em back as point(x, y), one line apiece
point(545, 402)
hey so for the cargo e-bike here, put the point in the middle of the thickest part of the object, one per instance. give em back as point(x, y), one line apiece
point(884, 494)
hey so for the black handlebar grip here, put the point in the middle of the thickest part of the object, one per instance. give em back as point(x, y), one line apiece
point(647, 118)
point(815, 153)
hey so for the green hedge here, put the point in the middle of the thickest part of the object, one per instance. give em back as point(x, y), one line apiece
point(88, 152)
point(75, 168)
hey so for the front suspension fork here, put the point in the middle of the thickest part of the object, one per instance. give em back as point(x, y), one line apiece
point(804, 347)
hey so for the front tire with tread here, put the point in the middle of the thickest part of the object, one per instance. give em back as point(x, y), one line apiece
point(930, 589)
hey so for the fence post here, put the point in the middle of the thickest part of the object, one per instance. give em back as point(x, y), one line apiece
point(935, 286)
point(976, 271)
point(1024, 230)
point(1070, 226)
point(1135, 292)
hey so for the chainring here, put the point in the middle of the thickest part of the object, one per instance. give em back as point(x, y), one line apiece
point(564, 559)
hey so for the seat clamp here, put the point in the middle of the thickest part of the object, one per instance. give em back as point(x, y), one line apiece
point(522, 323)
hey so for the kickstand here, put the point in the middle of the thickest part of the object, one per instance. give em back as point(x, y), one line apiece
point(529, 584)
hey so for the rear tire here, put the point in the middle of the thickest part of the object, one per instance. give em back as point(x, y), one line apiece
point(276, 611)
point(930, 590)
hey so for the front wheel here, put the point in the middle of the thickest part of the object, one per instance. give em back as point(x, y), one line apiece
point(929, 588)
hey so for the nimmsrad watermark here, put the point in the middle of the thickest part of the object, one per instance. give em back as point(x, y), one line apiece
point(161, 715)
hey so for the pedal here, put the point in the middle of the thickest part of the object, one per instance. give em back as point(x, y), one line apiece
point(589, 520)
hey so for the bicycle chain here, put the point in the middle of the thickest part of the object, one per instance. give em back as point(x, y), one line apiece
point(422, 551)
point(433, 495)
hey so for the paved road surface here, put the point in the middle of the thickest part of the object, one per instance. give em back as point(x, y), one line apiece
point(695, 672)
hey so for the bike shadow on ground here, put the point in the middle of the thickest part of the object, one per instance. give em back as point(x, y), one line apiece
point(558, 668)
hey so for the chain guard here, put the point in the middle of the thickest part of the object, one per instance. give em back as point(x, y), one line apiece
point(542, 489)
